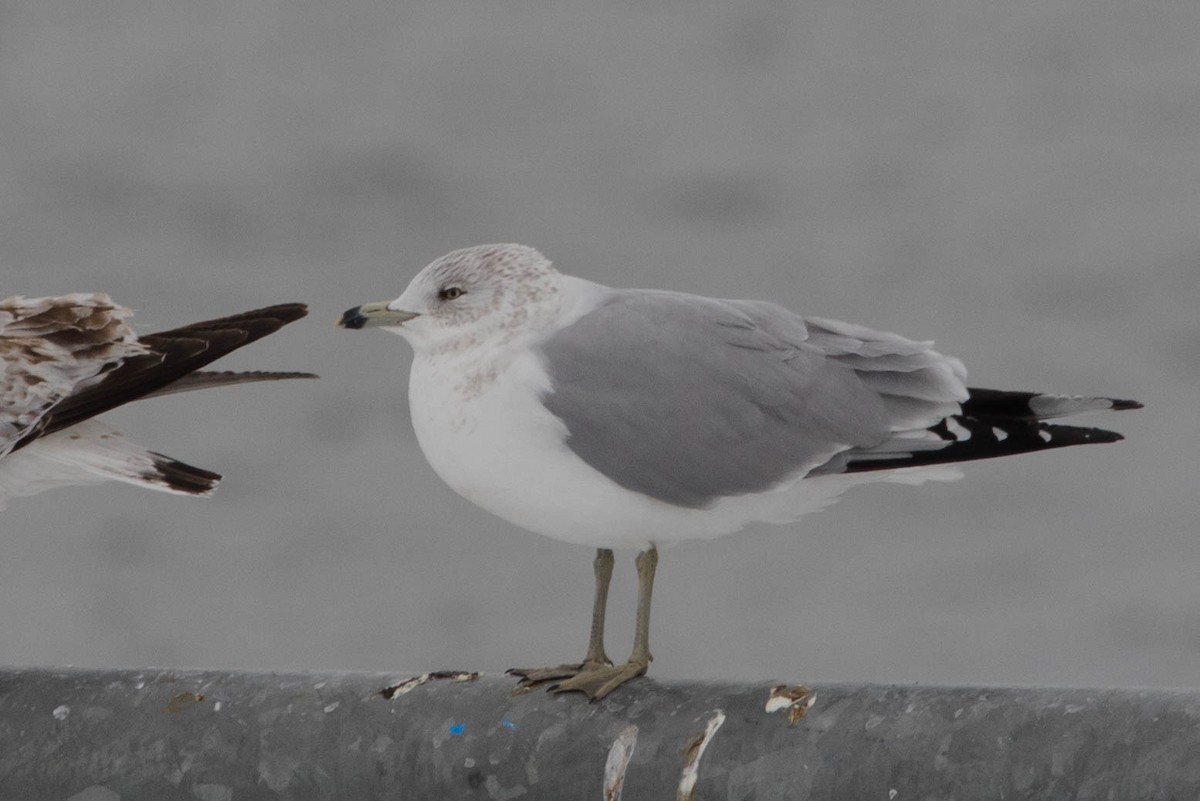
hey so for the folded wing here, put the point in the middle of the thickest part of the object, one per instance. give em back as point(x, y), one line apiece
point(689, 399)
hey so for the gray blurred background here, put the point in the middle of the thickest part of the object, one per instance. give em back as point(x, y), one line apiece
point(1019, 181)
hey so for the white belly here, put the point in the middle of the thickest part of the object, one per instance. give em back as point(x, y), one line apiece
point(502, 450)
point(496, 445)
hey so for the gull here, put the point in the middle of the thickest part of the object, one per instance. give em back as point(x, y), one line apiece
point(66, 359)
point(631, 418)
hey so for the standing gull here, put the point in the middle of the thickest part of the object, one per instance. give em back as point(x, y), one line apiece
point(64, 360)
point(628, 418)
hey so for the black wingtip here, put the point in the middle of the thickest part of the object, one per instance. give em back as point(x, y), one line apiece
point(256, 322)
point(1008, 405)
point(181, 477)
point(971, 438)
point(1091, 436)
point(286, 312)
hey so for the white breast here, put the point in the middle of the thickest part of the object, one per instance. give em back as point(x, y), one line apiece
point(499, 448)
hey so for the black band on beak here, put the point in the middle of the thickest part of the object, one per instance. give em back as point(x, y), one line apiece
point(353, 318)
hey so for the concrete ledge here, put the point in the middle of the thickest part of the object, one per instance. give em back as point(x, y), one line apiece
point(89, 735)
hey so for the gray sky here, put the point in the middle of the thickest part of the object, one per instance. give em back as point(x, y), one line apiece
point(1017, 181)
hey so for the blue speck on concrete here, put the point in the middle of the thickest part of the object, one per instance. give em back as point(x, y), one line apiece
point(456, 729)
point(508, 724)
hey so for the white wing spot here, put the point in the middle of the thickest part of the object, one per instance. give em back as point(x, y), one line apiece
point(1045, 435)
point(960, 432)
point(999, 433)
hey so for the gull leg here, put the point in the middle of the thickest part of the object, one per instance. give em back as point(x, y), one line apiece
point(598, 680)
point(595, 657)
point(603, 567)
point(647, 565)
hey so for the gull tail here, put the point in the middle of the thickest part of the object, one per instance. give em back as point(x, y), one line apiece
point(992, 423)
point(92, 452)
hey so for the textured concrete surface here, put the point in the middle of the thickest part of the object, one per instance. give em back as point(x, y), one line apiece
point(188, 734)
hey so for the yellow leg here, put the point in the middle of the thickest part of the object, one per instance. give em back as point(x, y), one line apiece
point(602, 566)
point(598, 680)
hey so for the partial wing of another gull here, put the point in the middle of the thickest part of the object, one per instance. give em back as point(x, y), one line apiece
point(627, 418)
point(64, 360)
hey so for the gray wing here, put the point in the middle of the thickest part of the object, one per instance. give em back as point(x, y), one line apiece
point(689, 399)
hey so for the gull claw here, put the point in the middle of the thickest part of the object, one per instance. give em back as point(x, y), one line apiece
point(538, 677)
point(598, 681)
point(556, 677)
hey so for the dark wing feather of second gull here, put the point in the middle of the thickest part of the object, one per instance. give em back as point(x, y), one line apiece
point(173, 356)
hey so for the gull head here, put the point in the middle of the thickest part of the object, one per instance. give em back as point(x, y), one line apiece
point(490, 293)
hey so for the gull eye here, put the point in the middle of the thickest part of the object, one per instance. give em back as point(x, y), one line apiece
point(451, 293)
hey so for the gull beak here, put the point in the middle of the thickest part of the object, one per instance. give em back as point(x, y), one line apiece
point(374, 314)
